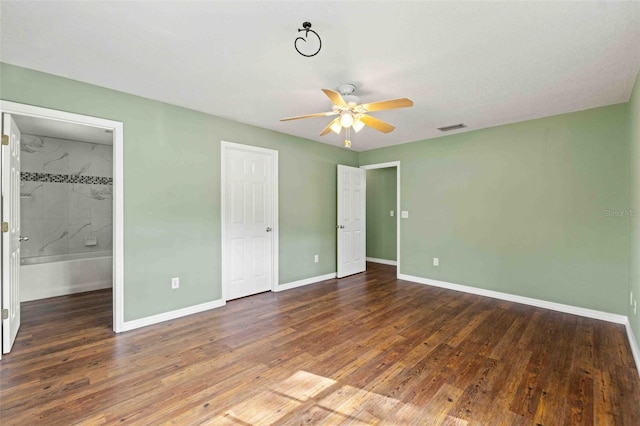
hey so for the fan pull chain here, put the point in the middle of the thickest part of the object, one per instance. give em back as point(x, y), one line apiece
point(347, 141)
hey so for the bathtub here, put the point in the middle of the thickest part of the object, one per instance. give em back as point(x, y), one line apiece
point(57, 275)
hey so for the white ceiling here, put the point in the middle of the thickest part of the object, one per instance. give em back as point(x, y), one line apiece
point(62, 130)
point(480, 63)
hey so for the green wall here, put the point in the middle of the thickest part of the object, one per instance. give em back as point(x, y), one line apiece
point(381, 226)
point(172, 190)
point(522, 208)
point(634, 131)
point(530, 208)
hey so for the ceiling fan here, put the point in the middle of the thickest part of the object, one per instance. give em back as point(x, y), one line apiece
point(352, 114)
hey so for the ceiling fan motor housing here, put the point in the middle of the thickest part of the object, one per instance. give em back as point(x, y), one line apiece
point(347, 91)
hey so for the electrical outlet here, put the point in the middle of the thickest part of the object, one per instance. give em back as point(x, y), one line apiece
point(404, 214)
point(315, 258)
point(392, 213)
point(175, 283)
point(436, 261)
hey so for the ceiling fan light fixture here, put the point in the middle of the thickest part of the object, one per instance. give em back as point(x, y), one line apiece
point(357, 125)
point(336, 127)
point(346, 118)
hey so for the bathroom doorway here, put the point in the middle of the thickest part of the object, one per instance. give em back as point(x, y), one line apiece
point(70, 204)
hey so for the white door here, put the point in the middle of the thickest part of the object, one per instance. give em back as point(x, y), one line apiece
point(351, 220)
point(11, 238)
point(248, 220)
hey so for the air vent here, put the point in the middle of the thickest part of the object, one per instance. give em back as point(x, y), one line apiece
point(453, 127)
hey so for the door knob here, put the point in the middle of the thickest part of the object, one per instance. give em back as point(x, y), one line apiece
point(268, 229)
point(23, 238)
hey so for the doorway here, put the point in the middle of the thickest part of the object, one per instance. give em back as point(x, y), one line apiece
point(383, 213)
point(249, 201)
point(70, 133)
point(381, 216)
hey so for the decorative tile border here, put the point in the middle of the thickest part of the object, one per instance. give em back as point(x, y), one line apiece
point(57, 178)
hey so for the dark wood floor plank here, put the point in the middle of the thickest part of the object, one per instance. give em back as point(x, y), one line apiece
point(363, 350)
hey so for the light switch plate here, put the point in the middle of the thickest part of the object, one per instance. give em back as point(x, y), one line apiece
point(392, 213)
point(405, 214)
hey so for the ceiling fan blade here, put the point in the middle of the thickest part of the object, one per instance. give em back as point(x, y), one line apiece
point(318, 114)
point(391, 104)
point(328, 128)
point(335, 97)
point(377, 124)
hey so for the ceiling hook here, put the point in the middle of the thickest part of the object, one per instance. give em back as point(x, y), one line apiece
point(306, 27)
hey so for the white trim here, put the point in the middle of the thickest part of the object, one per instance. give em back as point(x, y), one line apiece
point(395, 164)
point(117, 128)
point(382, 261)
point(381, 165)
point(634, 344)
point(178, 313)
point(306, 281)
point(118, 228)
point(575, 310)
point(275, 273)
point(276, 222)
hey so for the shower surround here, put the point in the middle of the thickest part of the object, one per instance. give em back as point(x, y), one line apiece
point(66, 196)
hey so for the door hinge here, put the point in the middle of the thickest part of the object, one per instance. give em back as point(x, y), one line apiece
point(5, 314)
point(5, 227)
point(5, 139)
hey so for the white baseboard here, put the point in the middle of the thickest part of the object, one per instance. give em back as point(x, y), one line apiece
point(383, 261)
point(575, 310)
point(166, 316)
point(306, 281)
point(634, 345)
point(30, 293)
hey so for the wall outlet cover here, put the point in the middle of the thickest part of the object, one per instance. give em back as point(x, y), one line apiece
point(405, 214)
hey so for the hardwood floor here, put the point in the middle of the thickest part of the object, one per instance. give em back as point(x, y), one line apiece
point(368, 349)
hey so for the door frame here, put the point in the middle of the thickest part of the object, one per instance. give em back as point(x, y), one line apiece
point(387, 165)
point(224, 147)
point(117, 128)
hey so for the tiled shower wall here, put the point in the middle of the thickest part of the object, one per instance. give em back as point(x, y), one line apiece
point(66, 196)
